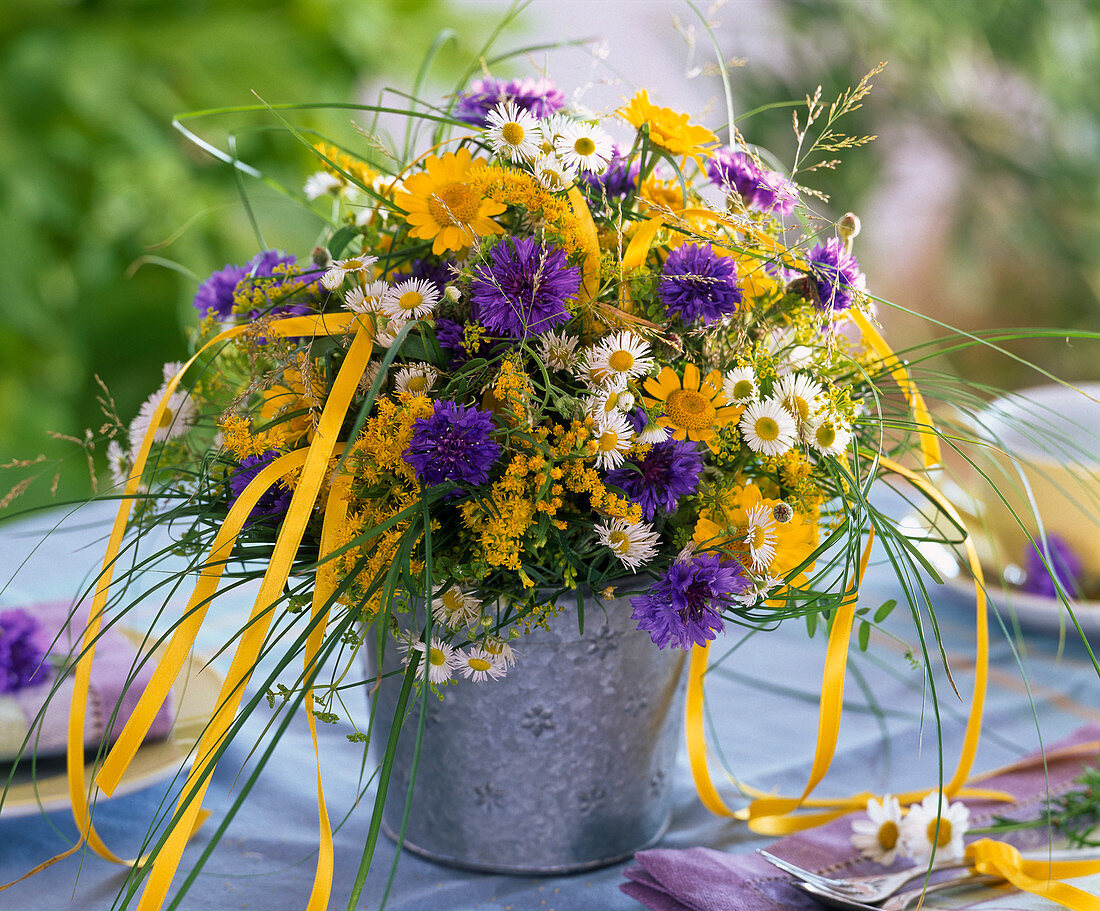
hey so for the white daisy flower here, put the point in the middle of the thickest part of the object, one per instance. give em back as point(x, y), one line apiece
point(634, 543)
point(767, 427)
point(365, 298)
point(553, 127)
point(322, 183)
point(758, 589)
point(584, 146)
point(739, 386)
point(494, 645)
point(614, 436)
point(608, 401)
point(410, 299)
point(441, 659)
point(937, 824)
point(118, 463)
point(477, 664)
point(878, 836)
point(552, 173)
point(176, 420)
point(760, 537)
point(339, 269)
point(654, 433)
point(799, 395)
point(828, 436)
point(558, 351)
point(169, 370)
point(513, 133)
point(416, 379)
point(620, 355)
point(459, 610)
point(370, 374)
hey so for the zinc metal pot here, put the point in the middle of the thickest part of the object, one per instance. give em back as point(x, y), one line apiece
point(563, 765)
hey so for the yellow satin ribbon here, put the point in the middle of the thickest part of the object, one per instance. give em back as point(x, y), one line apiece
point(1039, 877)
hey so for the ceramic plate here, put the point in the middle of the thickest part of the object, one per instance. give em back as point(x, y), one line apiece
point(1034, 612)
point(156, 761)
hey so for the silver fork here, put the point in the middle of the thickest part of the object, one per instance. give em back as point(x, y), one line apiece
point(898, 902)
point(868, 889)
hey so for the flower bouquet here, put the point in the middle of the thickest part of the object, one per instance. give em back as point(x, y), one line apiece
point(556, 365)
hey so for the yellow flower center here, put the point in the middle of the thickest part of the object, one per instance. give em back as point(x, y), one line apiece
point(512, 133)
point(758, 537)
point(453, 204)
point(621, 361)
point(690, 409)
point(410, 300)
point(550, 177)
point(888, 835)
point(620, 542)
point(451, 601)
point(584, 146)
point(612, 401)
point(945, 832)
point(478, 664)
point(418, 384)
point(767, 429)
point(609, 440)
point(166, 418)
point(798, 407)
point(826, 435)
point(351, 265)
point(742, 389)
point(436, 657)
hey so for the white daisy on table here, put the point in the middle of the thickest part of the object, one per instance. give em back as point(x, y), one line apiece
point(552, 173)
point(458, 609)
point(411, 299)
point(829, 436)
point(478, 665)
point(441, 659)
point(416, 379)
point(558, 351)
point(175, 421)
point(365, 298)
point(620, 355)
point(760, 536)
point(584, 146)
point(634, 543)
point(935, 822)
point(739, 386)
point(340, 269)
point(878, 837)
point(614, 436)
point(799, 395)
point(513, 133)
point(767, 427)
point(322, 183)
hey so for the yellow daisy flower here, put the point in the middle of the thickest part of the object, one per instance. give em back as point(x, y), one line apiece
point(441, 203)
point(693, 410)
point(667, 129)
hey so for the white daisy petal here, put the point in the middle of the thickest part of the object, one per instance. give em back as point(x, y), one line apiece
point(415, 379)
point(740, 386)
point(339, 269)
point(584, 146)
point(513, 133)
point(878, 837)
point(621, 355)
point(413, 298)
point(935, 824)
point(767, 427)
point(478, 665)
point(441, 658)
point(614, 437)
point(558, 350)
point(634, 543)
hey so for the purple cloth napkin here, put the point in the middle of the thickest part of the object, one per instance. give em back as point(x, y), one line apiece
point(113, 667)
point(702, 879)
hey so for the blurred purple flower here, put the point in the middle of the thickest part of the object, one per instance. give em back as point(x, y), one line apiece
point(1064, 563)
point(23, 648)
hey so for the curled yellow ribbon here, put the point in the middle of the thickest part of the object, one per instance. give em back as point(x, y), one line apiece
point(1039, 877)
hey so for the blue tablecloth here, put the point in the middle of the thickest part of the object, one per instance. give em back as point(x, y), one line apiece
point(763, 701)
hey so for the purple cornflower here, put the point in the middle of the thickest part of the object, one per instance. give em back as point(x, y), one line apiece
point(23, 648)
point(683, 608)
point(539, 96)
point(215, 295)
point(699, 284)
point(1064, 564)
point(523, 288)
point(657, 481)
point(836, 274)
point(617, 181)
point(272, 505)
point(454, 444)
point(768, 191)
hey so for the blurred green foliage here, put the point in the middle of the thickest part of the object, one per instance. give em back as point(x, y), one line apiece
point(1004, 90)
point(93, 179)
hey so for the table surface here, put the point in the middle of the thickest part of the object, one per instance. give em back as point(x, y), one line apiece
point(1039, 688)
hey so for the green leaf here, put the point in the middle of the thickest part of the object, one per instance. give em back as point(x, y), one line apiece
point(884, 611)
point(864, 636)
